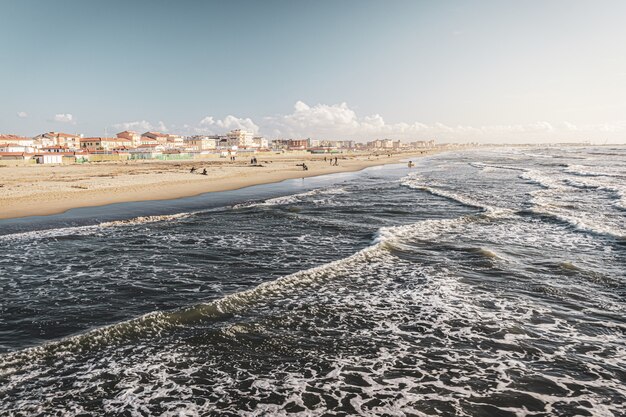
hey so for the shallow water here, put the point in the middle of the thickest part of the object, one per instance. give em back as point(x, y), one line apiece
point(482, 283)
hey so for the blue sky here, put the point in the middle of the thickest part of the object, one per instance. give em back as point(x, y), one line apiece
point(454, 70)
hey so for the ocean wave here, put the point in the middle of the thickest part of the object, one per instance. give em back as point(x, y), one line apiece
point(91, 229)
point(50, 233)
point(587, 171)
point(412, 181)
point(291, 199)
point(147, 219)
point(542, 179)
point(155, 323)
point(581, 223)
point(482, 165)
point(618, 192)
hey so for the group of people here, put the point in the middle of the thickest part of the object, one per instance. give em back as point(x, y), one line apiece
point(193, 171)
point(334, 162)
point(253, 161)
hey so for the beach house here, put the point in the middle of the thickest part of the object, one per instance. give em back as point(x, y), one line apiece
point(161, 138)
point(200, 143)
point(66, 140)
point(134, 137)
point(17, 140)
point(105, 144)
point(240, 138)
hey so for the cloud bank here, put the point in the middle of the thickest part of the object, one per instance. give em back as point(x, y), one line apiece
point(340, 121)
point(210, 125)
point(141, 126)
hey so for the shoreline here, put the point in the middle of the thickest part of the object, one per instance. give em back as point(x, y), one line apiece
point(57, 189)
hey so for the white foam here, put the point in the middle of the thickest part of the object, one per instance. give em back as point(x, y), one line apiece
point(293, 198)
point(415, 182)
point(146, 219)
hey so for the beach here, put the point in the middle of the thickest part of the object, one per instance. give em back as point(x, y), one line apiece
point(38, 190)
point(477, 283)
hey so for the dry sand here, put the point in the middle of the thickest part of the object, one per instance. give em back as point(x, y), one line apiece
point(42, 190)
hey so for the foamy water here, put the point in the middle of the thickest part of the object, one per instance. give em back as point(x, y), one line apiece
point(477, 284)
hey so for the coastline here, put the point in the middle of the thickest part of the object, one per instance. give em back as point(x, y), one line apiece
point(47, 190)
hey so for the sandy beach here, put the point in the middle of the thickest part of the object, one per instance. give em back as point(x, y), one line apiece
point(43, 190)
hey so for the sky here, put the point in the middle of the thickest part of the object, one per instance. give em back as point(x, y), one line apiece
point(455, 71)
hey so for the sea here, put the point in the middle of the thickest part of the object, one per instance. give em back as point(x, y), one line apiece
point(484, 282)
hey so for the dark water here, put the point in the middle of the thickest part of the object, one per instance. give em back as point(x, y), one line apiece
point(486, 283)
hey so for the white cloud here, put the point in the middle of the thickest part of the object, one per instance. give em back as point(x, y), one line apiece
point(22, 114)
point(232, 122)
point(161, 127)
point(142, 125)
point(207, 121)
point(210, 125)
point(328, 121)
point(340, 121)
point(63, 118)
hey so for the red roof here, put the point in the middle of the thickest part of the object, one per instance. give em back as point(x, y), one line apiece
point(13, 137)
point(12, 154)
point(61, 134)
point(157, 134)
point(104, 139)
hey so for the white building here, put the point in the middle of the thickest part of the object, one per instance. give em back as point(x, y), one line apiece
point(13, 147)
point(201, 143)
point(48, 158)
point(261, 142)
point(240, 138)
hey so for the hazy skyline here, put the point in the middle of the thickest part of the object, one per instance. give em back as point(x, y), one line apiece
point(452, 70)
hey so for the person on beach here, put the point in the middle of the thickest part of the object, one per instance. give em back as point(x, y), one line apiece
point(204, 171)
point(411, 164)
point(192, 170)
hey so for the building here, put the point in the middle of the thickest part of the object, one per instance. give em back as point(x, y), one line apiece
point(157, 136)
point(298, 144)
point(134, 137)
point(260, 142)
point(17, 140)
point(383, 144)
point(48, 158)
point(240, 138)
point(423, 144)
point(174, 142)
point(280, 143)
point(66, 140)
point(105, 144)
point(201, 143)
point(55, 149)
point(14, 147)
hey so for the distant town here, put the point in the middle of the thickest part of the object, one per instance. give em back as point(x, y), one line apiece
point(65, 148)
